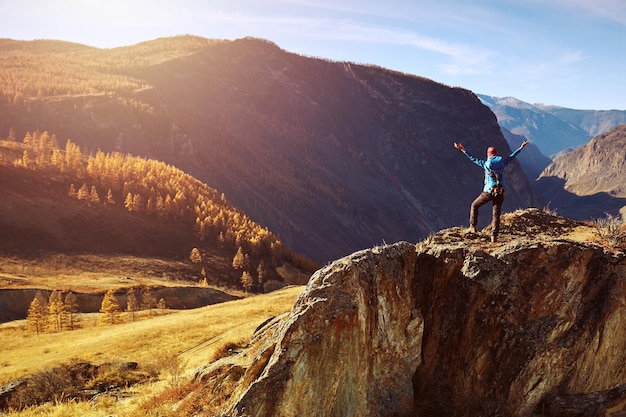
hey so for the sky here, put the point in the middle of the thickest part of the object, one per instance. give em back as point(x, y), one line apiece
point(569, 53)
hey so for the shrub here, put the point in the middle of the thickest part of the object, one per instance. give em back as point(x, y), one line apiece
point(610, 230)
point(76, 380)
point(168, 365)
point(57, 384)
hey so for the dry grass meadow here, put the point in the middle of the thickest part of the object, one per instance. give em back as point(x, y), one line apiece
point(190, 338)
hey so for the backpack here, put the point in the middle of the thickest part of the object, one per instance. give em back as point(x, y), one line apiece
point(498, 188)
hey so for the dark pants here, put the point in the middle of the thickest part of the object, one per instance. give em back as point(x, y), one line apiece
point(496, 201)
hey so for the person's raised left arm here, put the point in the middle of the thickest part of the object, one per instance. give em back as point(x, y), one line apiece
point(518, 150)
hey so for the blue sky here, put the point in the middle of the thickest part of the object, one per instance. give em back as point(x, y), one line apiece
point(570, 53)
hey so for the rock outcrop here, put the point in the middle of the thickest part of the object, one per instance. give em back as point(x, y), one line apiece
point(455, 326)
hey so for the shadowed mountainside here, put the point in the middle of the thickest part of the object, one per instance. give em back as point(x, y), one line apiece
point(591, 180)
point(331, 156)
point(533, 162)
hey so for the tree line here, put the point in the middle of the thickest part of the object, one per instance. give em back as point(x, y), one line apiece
point(45, 68)
point(61, 312)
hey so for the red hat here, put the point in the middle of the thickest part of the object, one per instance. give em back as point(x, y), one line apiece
point(492, 151)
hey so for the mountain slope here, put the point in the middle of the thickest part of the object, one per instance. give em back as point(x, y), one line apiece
point(126, 206)
point(331, 156)
point(591, 180)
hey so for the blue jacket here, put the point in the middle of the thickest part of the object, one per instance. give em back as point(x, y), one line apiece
point(495, 164)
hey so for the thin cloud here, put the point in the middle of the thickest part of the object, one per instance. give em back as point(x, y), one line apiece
point(569, 58)
point(353, 31)
point(613, 10)
point(562, 70)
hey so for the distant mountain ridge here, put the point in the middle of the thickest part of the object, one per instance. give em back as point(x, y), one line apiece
point(552, 128)
point(332, 156)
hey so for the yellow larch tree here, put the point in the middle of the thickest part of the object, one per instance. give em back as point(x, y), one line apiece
point(71, 306)
point(110, 309)
point(56, 310)
point(37, 319)
point(132, 304)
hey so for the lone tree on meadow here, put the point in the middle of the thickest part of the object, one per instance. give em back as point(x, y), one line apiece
point(110, 309)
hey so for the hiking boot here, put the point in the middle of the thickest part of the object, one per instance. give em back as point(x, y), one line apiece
point(472, 229)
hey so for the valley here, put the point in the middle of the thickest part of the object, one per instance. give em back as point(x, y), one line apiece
point(218, 176)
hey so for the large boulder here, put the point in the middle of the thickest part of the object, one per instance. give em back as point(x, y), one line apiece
point(455, 326)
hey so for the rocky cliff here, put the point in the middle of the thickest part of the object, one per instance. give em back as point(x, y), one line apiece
point(453, 326)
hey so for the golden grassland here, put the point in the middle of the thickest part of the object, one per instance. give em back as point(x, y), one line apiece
point(191, 336)
point(173, 331)
point(93, 273)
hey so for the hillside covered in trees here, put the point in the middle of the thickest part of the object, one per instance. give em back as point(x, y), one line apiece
point(48, 68)
point(61, 199)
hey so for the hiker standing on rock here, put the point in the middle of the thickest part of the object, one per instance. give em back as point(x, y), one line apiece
point(494, 185)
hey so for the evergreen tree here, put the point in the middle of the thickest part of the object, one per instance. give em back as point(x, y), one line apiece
point(37, 319)
point(27, 159)
point(93, 195)
point(132, 304)
point(239, 260)
point(195, 256)
point(73, 158)
point(42, 302)
point(137, 202)
point(110, 199)
point(57, 160)
point(128, 202)
point(261, 272)
point(72, 193)
point(83, 192)
point(56, 310)
point(71, 306)
point(110, 309)
point(148, 301)
point(246, 281)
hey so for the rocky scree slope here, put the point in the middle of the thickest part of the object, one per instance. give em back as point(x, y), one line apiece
point(453, 326)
